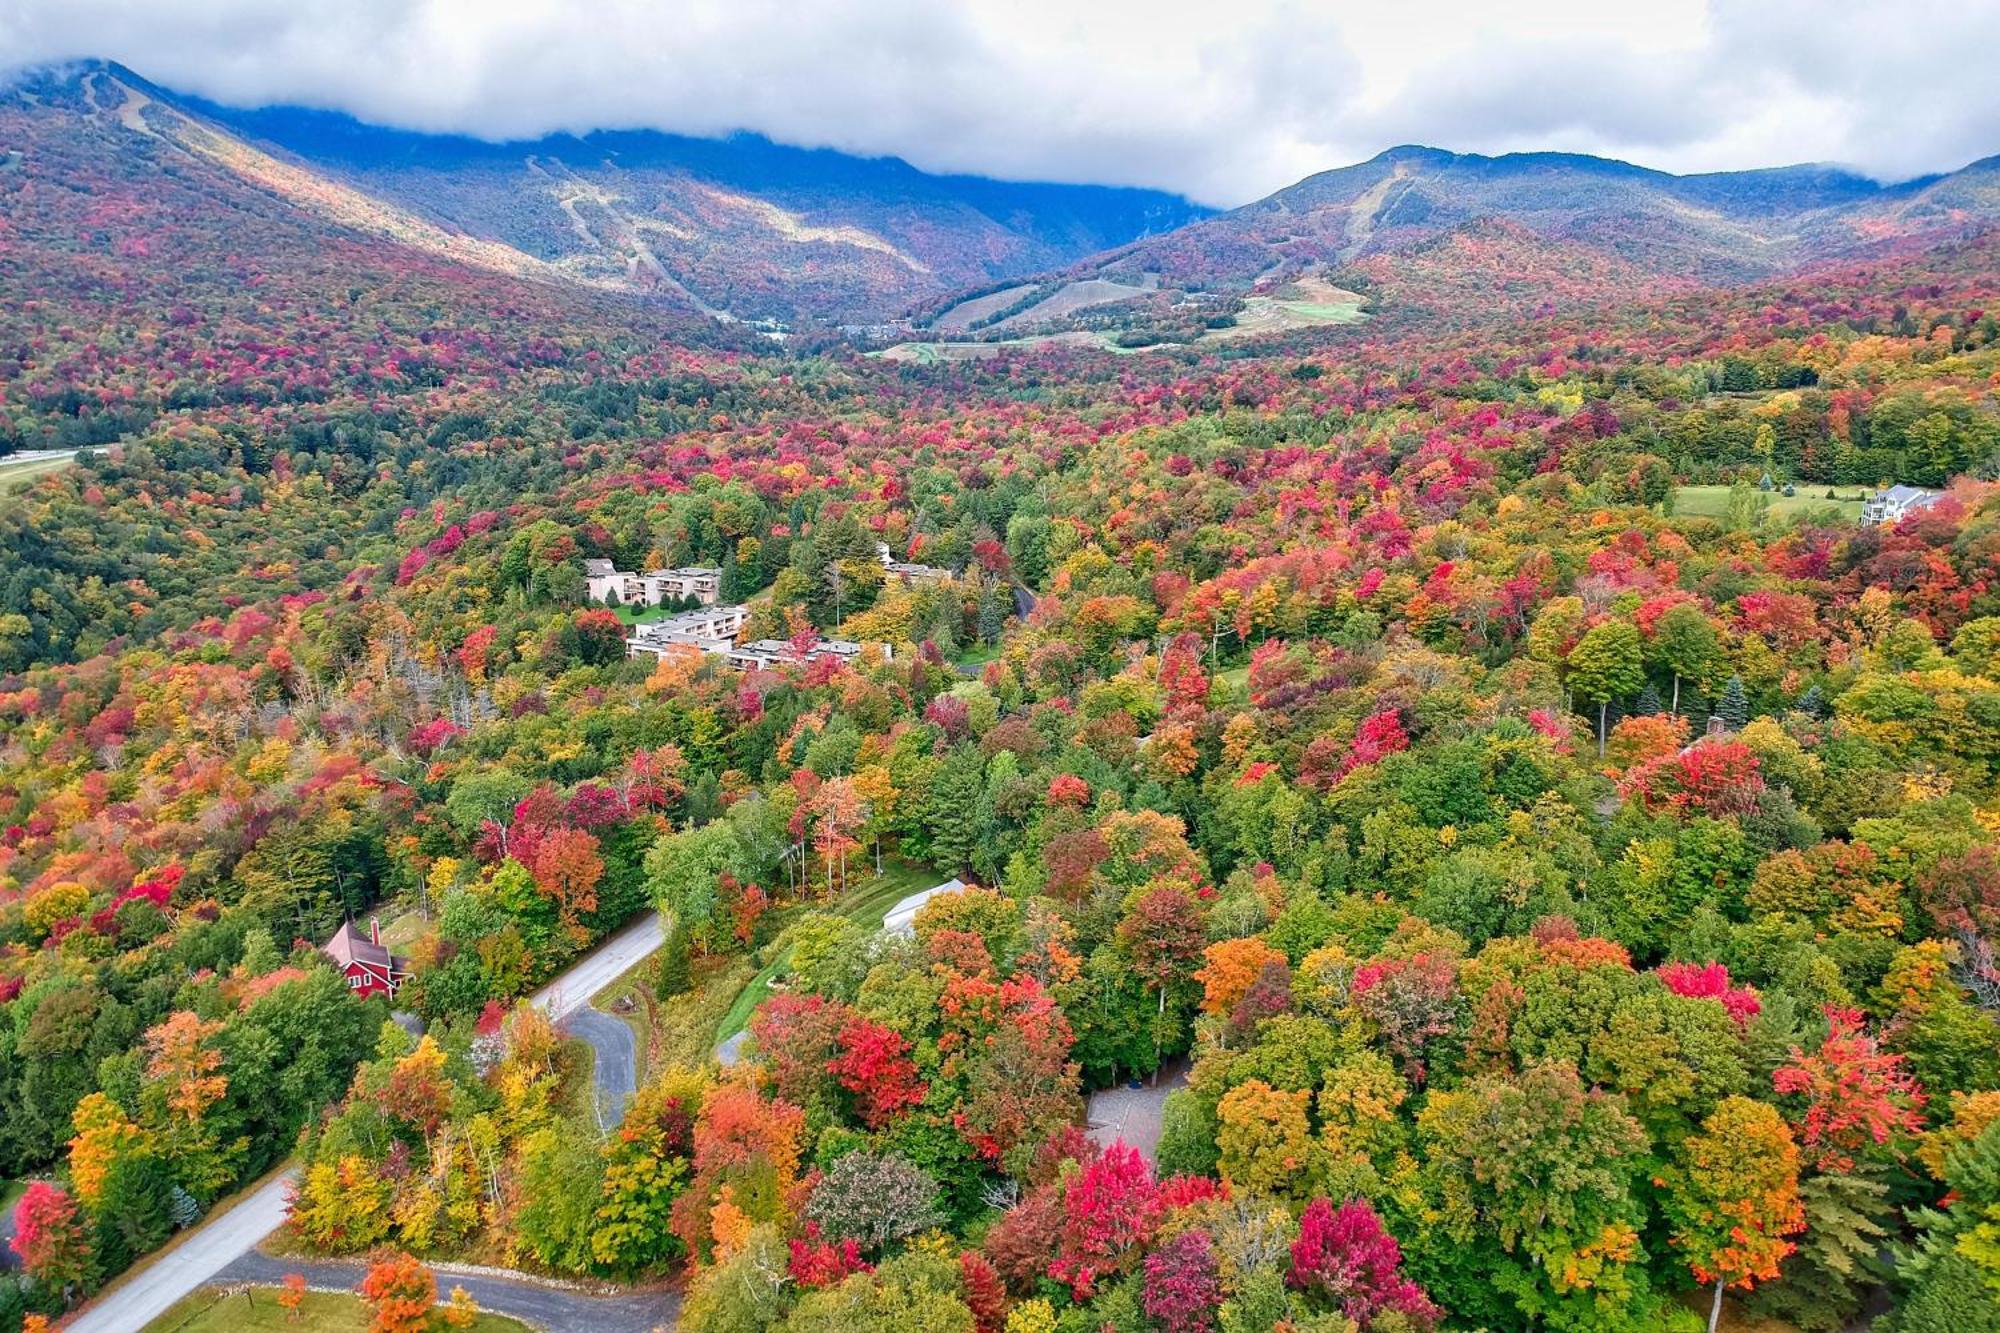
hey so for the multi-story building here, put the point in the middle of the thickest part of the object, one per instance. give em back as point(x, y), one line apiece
point(713, 629)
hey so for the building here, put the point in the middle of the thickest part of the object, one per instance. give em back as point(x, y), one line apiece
point(1887, 506)
point(367, 964)
point(656, 587)
point(907, 571)
point(711, 630)
point(766, 653)
point(606, 583)
point(701, 583)
point(902, 918)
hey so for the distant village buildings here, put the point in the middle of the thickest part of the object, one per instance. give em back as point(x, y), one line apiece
point(1892, 504)
point(712, 628)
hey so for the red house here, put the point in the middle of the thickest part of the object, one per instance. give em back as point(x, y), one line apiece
point(370, 968)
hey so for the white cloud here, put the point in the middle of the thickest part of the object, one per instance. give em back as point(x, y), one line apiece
point(1224, 102)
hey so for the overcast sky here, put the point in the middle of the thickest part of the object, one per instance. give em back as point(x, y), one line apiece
point(1223, 101)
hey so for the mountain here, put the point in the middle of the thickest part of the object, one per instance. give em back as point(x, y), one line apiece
point(739, 227)
point(1418, 232)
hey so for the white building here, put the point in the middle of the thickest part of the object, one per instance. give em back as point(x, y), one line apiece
point(902, 918)
point(767, 653)
point(907, 571)
point(653, 588)
point(713, 629)
point(1887, 506)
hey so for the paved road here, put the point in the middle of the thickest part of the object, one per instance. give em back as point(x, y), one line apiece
point(609, 961)
point(617, 1065)
point(216, 1243)
point(538, 1304)
point(201, 1253)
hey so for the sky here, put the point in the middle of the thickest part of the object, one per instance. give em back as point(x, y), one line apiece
point(1223, 102)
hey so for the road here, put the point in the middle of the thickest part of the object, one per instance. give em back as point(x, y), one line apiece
point(617, 1066)
point(534, 1303)
point(201, 1254)
point(218, 1242)
point(611, 960)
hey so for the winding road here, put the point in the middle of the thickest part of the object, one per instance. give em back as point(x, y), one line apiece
point(228, 1237)
point(538, 1304)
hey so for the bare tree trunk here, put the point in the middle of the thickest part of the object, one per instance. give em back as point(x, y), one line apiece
point(1602, 708)
point(1677, 694)
point(1715, 1310)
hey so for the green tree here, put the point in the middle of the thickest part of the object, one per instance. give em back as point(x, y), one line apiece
point(1686, 644)
point(1606, 665)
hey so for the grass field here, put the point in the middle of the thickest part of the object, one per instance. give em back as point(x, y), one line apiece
point(866, 904)
point(1713, 502)
point(18, 475)
point(212, 1311)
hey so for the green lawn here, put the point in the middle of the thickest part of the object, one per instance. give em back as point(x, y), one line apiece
point(867, 903)
point(18, 475)
point(10, 1194)
point(1713, 502)
point(212, 1311)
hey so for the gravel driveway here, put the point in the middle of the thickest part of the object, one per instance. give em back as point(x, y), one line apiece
point(1133, 1114)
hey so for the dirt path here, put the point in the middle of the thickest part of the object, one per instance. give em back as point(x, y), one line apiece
point(1133, 1114)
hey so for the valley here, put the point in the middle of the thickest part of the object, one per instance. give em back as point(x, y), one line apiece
point(704, 733)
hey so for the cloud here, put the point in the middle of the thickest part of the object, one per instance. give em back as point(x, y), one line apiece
point(1225, 103)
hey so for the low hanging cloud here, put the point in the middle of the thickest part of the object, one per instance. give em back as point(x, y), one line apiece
point(1223, 103)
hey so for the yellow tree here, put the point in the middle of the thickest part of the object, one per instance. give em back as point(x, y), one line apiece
point(1733, 1197)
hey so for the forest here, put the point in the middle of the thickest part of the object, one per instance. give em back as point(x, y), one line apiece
point(1533, 908)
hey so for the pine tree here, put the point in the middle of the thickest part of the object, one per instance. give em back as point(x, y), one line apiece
point(1812, 703)
point(1829, 1276)
point(675, 975)
point(1648, 702)
point(992, 614)
point(1734, 710)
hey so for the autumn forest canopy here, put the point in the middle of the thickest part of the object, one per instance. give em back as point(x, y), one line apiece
point(1506, 781)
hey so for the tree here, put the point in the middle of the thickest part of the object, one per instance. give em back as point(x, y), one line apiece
point(1110, 1209)
point(1685, 642)
point(1164, 934)
point(1231, 969)
point(1263, 1137)
point(675, 972)
point(1605, 665)
point(1344, 1261)
point(873, 1064)
point(400, 1291)
point(1732, 1197)
point(875, 1200)
point(52, 1240)
point(1734, 709)
point(292, 1297)
point(461, 1311)
point(1183, 1284)
point(1850, 1095)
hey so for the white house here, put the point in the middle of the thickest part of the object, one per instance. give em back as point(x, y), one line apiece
point(604, 581)
point(1887, 506)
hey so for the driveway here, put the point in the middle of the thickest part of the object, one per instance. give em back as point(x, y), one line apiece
point(142, 1296)
point(146, 1295)
point(603, 965)
point(1133, 1114)
point(617, 1066)
point(558, 1309)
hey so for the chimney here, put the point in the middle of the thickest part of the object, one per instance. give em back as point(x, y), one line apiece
point(375, 930)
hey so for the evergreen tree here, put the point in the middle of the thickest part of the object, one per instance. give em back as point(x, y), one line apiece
point(1734, 710)
point(1813, 702)
point(1648, 703)
point(675, 974)
point(992, 613)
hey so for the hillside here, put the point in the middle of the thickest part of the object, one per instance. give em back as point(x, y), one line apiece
point(1429, 234)
point(741, 227)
